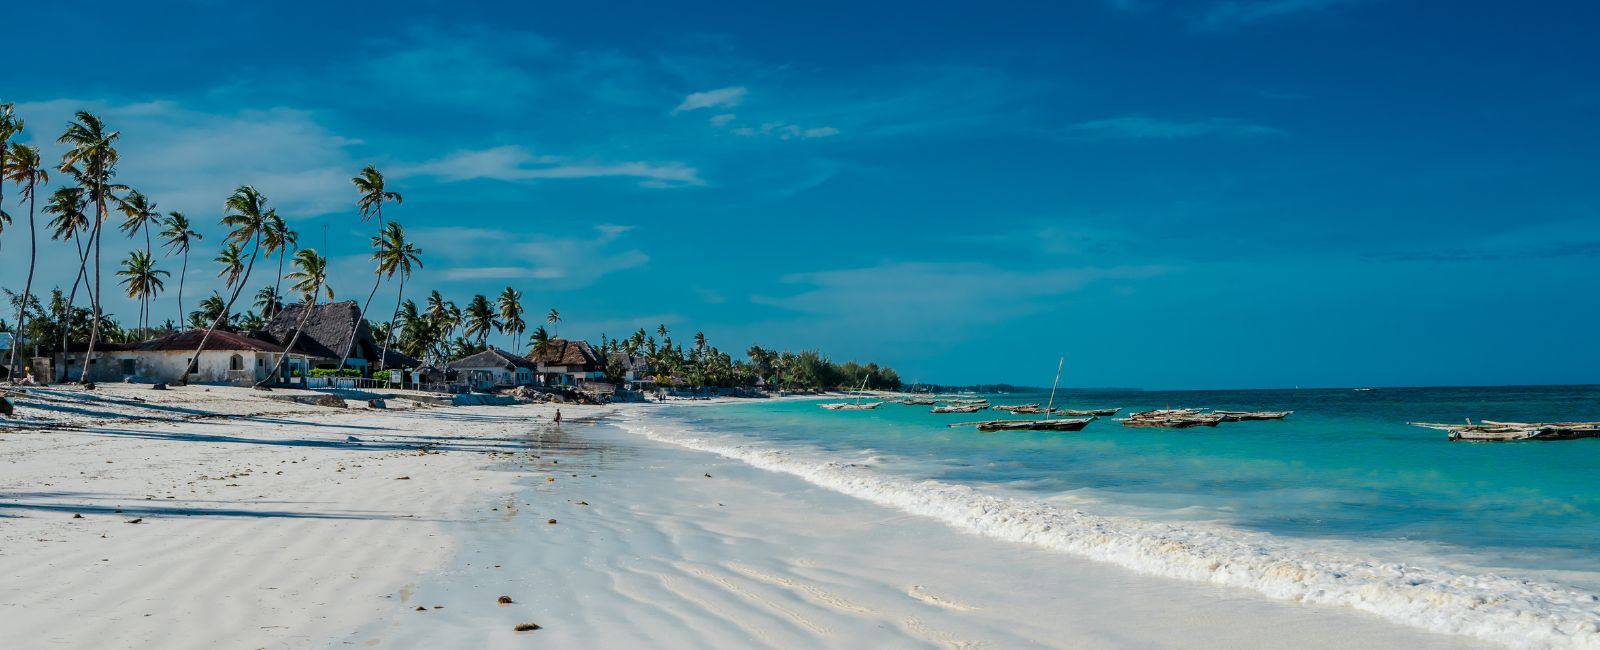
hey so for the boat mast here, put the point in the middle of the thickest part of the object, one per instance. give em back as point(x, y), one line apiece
point(1052, 405)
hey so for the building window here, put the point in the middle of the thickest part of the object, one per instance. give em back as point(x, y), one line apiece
point(127, 366)
point(236, 363)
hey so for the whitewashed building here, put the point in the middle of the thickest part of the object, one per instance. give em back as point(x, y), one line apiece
point(494, 367)
point(229, 358)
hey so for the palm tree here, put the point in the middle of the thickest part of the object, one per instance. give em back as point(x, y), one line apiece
point(69, 205)
point(661, 330)
point(511, 322)
point(179, 236)
point(93, 161)
point(212, 310)
point(23, 168)
point(232, 261)
point(277, 238)
point(480, 319)
point(10, 126)
point(269, 301)
point(247, 215)
point(554, 319)
point(541, 341)
point(139, 211)
point(373, 195)
point(395, 256)
point(140, 275)
point(311, 280)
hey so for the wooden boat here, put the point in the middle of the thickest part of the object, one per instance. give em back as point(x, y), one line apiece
point(1088, 412)
point(917, 402)
point(1245, 416)
point(1055, 424)
point(1493, 431)
point(1012, 408)
point(851, 406)
point(959, 408)
point(1172, 419)
point(967, 402)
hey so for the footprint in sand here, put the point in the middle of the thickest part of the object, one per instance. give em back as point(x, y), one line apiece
point(921, 593)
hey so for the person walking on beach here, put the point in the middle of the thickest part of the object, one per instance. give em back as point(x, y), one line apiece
point(558, 417)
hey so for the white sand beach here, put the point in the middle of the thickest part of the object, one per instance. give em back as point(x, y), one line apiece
point(272, 524)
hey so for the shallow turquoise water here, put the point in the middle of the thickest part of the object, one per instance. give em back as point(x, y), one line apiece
point(1343, 469)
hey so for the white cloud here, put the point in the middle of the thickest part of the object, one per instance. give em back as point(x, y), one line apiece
point(190, 160)
point(517, 163)
point(721, 97)
point(938, 296)
point(783, 131)
point(1151, 128)
point(562, 261)
point(719, 120)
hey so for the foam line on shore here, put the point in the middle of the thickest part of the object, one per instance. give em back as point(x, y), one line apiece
point(1511, 612)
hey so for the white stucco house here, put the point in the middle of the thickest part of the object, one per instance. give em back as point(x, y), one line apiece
point(229, 358)
point(494, 367)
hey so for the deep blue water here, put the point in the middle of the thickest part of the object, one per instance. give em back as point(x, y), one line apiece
point(1345, 467)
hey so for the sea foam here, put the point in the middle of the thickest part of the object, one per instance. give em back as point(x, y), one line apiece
point(1507, 611)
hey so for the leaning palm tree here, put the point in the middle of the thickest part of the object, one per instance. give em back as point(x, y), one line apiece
point(395, 257)
point(510, 303)
point(24, 168)
point(141, 277)
point(373, 195)
point(92, 158)
point(247, 216)
point(554, 319)
point(179, 236)
point(480, 319)
point(311, 280)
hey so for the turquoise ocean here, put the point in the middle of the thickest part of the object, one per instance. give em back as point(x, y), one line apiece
point(1342, 503)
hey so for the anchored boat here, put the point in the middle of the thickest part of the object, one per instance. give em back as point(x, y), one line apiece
point(1493, 431)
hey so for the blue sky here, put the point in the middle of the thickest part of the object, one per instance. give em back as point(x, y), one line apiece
point(1228, 193)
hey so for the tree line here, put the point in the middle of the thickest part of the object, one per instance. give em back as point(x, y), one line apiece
point(89, 201)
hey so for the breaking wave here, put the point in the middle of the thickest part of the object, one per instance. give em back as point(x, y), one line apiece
point(1512, 612)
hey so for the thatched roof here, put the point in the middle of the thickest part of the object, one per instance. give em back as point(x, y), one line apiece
point(573, 354)
point(492, 358)
point(327, 331)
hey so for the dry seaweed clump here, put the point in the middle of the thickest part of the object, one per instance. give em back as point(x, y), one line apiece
point(526, 627)
point(505, 600)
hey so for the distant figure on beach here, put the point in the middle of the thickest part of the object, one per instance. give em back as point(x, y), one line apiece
point(27, 378)
point(558, 417)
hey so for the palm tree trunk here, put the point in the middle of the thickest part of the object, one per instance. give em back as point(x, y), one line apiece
point(304, 314)
point(389, 333)
point(277, 286)
point(72, 296)
point(194, 363)
point(27, 288)
point(94, 326)
point(181, 275)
